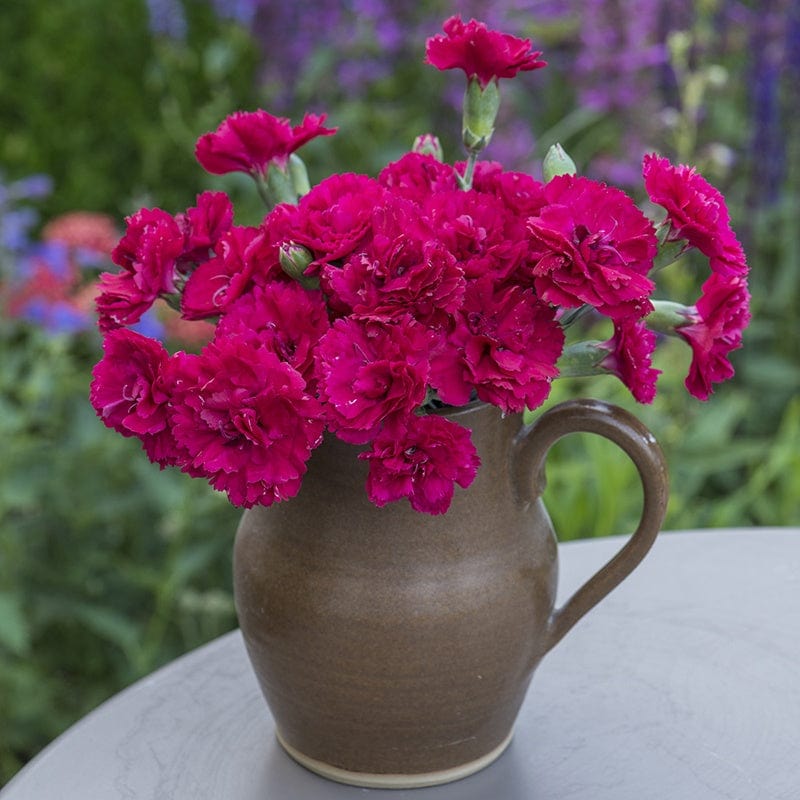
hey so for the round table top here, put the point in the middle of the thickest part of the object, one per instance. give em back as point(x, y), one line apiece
point(683, 684)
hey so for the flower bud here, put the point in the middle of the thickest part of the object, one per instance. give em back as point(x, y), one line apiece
point(480, 113)
point(557, 162)
point(666, 316)
point(298, 174)
point(280, 187)
point(428, 145)
point(294, 259)
point(582, 359)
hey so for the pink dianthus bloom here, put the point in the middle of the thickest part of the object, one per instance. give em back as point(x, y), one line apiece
point(218, 282)
point(249, 141)
point(204, 225)
point(483, 234)
point(403, 269)
point(696, 212)
point(630, 358)
point(282, 317)
point(416, 177)
point(505, 346)
point(422, 460)
point(129, 393)
point(591, 244)
point(245, 420)
point(148, 254)
point(717, 322)
point(482, 53)
point(335, 216)
point(371, 373)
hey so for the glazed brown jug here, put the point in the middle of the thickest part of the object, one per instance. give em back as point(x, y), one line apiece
point(395, 648)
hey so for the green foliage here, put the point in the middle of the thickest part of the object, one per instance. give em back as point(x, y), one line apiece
point(89, 97)
point(108, 567)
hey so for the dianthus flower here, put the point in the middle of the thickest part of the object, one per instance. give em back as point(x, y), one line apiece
point(416, 176)
point(717, 323)
point(371, 373)
point(696, 212)
point(422, 460)
point(591, 244)
point(630, 358)
point(505, 346)
point(282, 317)
point(204, 225)
point(249, 141)
point(215, 284)
point(481, 52)
point(483, 234)
point(129, 394)
point(245, 420)
point(147, 253)
point(335, 216)
point(403, 269)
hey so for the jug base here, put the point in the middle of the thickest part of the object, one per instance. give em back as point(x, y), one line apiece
point(379, 780)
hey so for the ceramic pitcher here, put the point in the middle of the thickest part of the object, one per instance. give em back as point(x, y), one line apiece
point(395, 648)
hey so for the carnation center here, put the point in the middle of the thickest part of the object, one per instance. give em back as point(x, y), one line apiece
point(596, 248)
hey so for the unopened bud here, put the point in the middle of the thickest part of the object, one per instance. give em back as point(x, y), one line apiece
point(557, 162)
point(294, 259)
point(298, 175)
point(428, 145)
point(480, 112)
point(667, 317)
point(280, 187)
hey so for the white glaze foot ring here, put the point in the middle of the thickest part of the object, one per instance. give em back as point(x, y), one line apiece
point(378, 780)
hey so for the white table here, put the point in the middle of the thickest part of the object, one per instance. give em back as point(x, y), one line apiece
point(684, 684)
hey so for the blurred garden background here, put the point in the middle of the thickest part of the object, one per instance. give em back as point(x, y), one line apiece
point(109, 567)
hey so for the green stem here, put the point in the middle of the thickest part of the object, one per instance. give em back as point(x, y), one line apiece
point(469, 171)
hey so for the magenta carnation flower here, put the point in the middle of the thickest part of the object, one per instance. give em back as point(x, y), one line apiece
point(416, 176)
point(214, 285)
point(249, 141)
point(335, 217)
point(591, 244)
point(245, 421)
point(483, 234)
point(129, 393)
point(371, 373)
point(147, 253)
point(696, 212)
point(720, 316)
point(402, 270)
point(505, 347)
point(482, 53)
point(204, 225)
point(630, 358)
point(519, 192)
point(284, 318)
point(422, 461)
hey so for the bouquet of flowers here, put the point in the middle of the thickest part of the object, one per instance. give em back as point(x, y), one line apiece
point(362, 305)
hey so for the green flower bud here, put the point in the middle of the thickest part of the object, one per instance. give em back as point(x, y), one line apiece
point(582, 359)
point(294, 259)
point(280, 187)
point(480, 113)
point(428, 145)
point(557, 162)
point(298, 174)
point(667, 316)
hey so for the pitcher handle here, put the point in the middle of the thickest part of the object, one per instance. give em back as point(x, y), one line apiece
point(531, 447)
